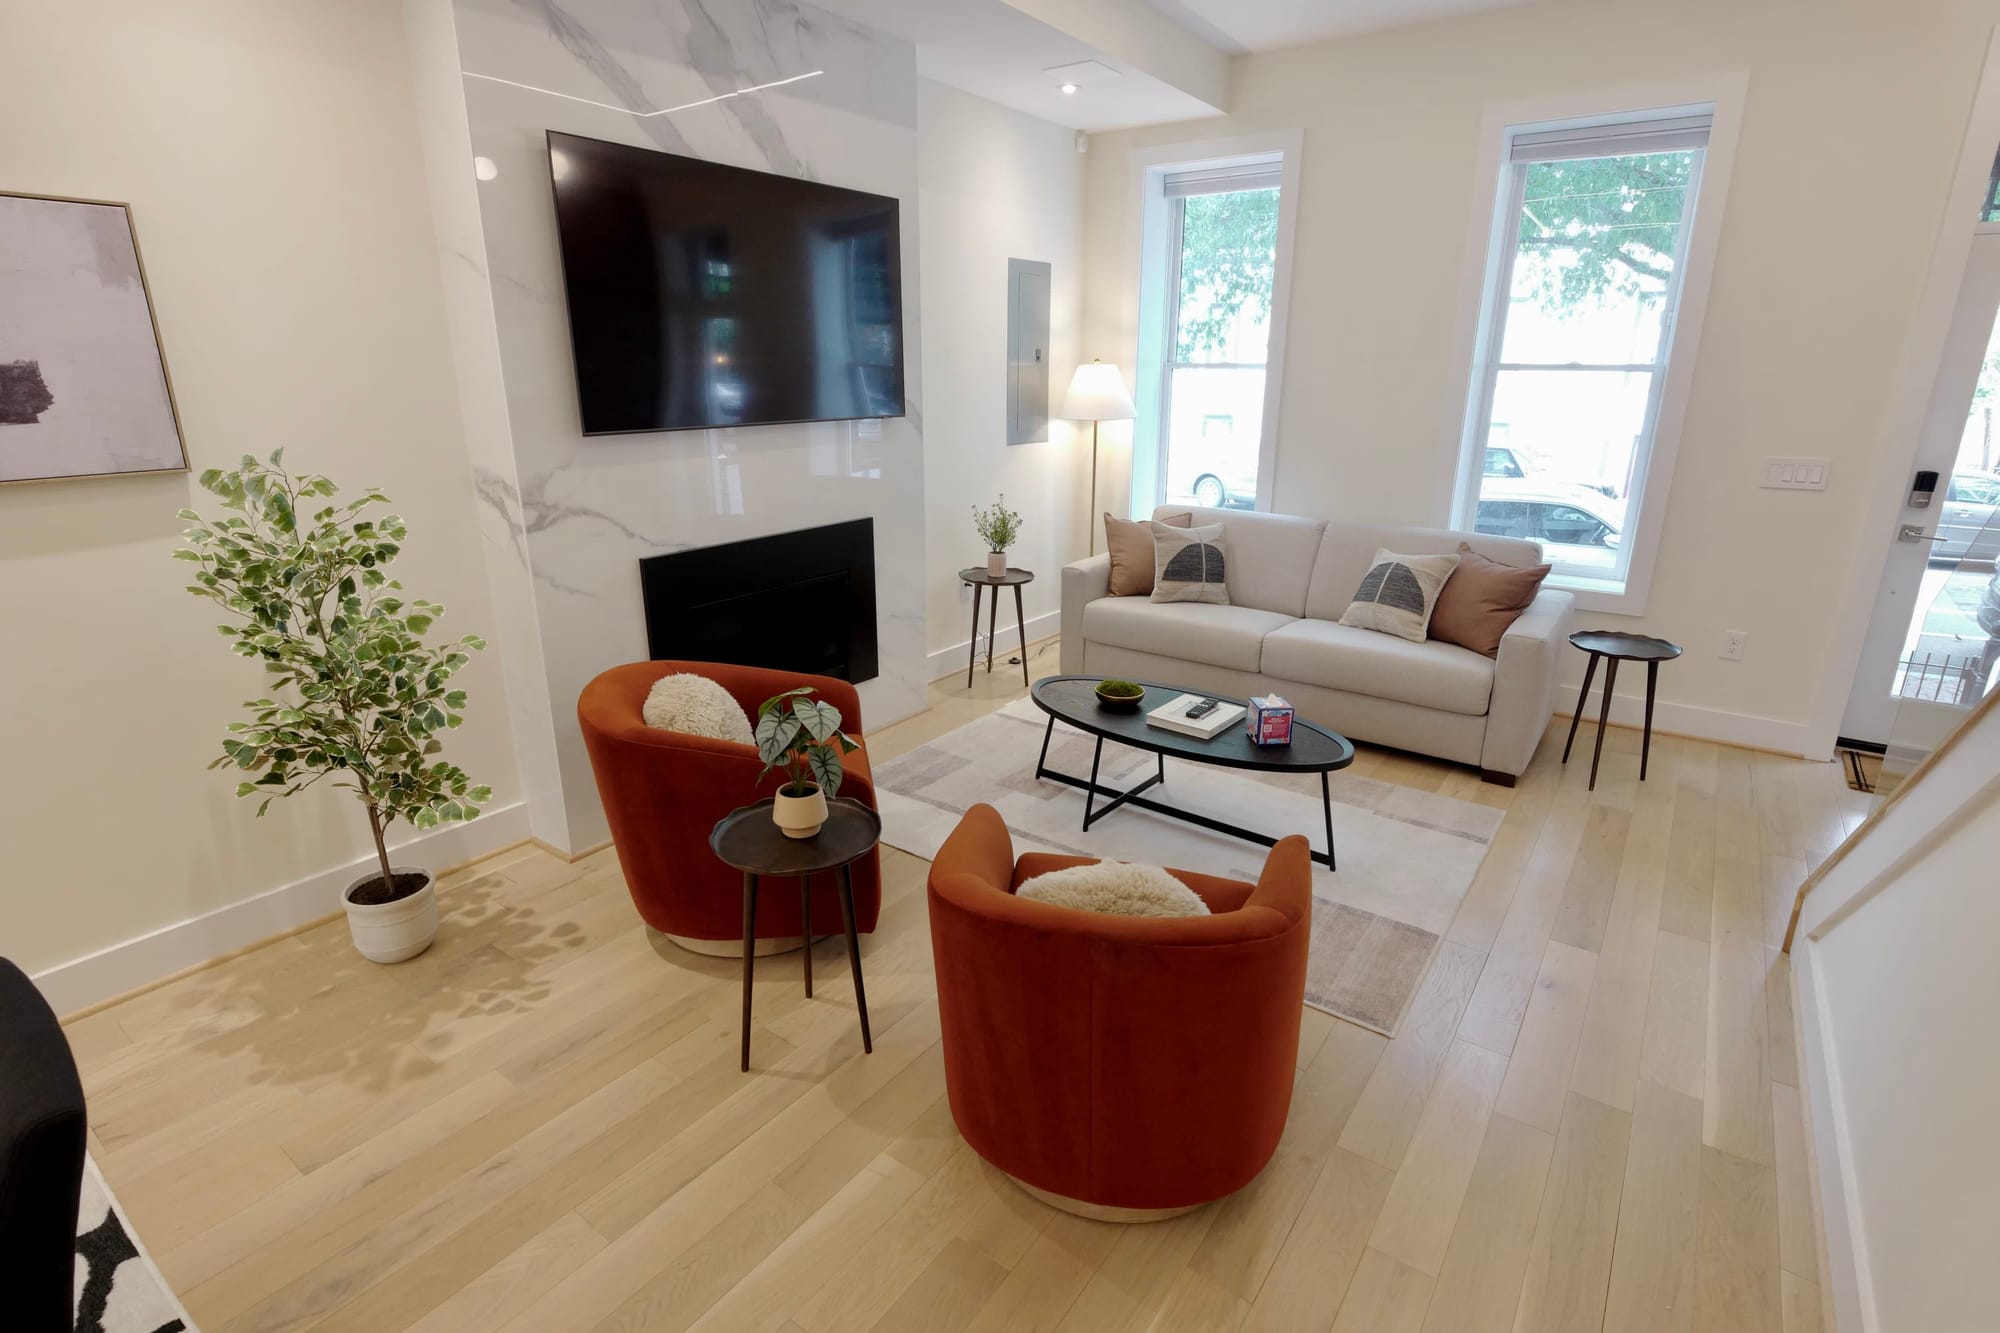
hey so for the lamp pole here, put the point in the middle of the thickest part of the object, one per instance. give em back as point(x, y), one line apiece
point(1090, 519)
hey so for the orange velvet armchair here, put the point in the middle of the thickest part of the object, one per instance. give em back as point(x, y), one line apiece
point(1122, 1067)
point(663, 792)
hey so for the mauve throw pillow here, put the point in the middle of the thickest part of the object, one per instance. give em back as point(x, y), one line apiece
point(1129, 543)
point(1481, 599)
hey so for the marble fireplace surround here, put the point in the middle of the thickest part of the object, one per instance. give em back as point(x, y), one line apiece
point(566, 519)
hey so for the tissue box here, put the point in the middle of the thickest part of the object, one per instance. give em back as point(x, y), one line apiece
point(1269, 721)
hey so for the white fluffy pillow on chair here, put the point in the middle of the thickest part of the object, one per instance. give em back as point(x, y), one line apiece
point(697, 706)
point(1118, 887)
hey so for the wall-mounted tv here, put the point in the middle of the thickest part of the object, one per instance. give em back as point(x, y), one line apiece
point(703, 295)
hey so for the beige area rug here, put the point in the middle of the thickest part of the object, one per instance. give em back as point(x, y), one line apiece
point(1406, 857)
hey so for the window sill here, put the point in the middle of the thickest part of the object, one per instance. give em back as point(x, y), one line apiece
point(1615, 597)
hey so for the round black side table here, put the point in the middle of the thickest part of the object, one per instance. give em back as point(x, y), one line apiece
point(1616, 647)
point(981, 580)
point(747, 840)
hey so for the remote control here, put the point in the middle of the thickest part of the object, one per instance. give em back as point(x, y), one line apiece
point(1202, 709)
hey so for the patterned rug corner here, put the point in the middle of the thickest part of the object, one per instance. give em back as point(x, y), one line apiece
point(118, 1287)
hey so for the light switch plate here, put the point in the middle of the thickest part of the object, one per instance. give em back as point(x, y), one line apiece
point(1795, 474)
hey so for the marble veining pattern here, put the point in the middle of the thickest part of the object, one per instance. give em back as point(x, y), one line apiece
point(586, 510)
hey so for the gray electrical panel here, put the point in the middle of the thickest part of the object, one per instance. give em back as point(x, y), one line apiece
point(1027, 351)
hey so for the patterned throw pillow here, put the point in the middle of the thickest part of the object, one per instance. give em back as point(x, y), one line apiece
point(1188, 564)
point(1399, 593)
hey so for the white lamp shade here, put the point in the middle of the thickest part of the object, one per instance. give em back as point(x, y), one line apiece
point(1097, 393)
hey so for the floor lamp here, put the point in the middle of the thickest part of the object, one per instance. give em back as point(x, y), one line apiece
point(1096, 393)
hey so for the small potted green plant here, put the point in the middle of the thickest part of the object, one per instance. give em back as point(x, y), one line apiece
point(1120, 696)
point(800, 737)
point(357, 694)
point(999, 527)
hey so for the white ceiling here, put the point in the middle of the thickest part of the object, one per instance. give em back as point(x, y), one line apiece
point(1237, 26)
point(994, 51)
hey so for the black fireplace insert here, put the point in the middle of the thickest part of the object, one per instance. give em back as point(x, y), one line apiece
point(799, 601)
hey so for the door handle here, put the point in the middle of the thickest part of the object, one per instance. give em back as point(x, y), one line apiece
point(1914, 532)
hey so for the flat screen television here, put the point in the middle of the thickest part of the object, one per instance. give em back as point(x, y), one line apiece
point(703, 295)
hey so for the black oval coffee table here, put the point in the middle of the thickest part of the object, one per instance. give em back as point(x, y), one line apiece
point(1073, 699)
point(1617, 646)
point(747, 840)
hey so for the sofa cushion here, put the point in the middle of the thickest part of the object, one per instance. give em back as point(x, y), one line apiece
point(1346, 551)
point(1270, 556)
point(1129, 543)
point(1481, 599)
point(1398, 594)
point(1224, 636)
point(1430, 674)
point(1190, 564)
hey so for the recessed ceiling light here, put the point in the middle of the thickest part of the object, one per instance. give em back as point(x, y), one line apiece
point(1069, 89)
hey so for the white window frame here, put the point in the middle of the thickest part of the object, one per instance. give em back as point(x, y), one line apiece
point(1158, 262)
point(1492, 243)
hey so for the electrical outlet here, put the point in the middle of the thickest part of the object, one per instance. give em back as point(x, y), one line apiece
point(1733, 643)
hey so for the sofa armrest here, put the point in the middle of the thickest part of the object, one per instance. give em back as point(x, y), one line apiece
point(1524, 682)
point(1083, 582)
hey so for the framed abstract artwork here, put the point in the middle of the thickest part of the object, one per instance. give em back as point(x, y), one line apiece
point(83, 383)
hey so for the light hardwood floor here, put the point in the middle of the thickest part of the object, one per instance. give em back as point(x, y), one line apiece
point(1588, 1120)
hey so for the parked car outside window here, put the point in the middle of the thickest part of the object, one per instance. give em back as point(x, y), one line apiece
point(1574, 524)
point(1966, 527)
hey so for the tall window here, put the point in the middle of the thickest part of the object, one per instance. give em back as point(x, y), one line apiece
point(1594, 225)
point(1222, 238)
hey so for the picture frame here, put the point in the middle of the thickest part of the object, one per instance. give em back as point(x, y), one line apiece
point(85, 391)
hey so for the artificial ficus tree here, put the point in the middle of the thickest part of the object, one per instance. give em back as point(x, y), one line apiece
point(357, 694)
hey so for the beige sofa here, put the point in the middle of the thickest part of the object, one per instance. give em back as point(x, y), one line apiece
point(1289, 581)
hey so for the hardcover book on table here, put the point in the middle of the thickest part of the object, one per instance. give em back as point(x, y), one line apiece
point(1173, 716)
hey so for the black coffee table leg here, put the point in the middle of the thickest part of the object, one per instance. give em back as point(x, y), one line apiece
point(1603, 717)
point(806, 927)
point(972, 654)
point(1090, 792)
point(1042, 764)
point(1326, 803)
point(1582, 697)
point(1021, 628)
point(854, 957)
point(749, 957)
point(1646, 743)
point(992, 620)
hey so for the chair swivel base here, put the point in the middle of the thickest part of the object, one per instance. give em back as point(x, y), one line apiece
point(1104, 1212)
point(734, 948)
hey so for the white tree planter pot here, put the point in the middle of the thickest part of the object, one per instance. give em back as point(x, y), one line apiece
point(392, 932)
point(996, 564)
point(799, 816)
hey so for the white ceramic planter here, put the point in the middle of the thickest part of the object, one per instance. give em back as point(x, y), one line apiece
point(391, 932)
point(799, 816)
point(996, 564)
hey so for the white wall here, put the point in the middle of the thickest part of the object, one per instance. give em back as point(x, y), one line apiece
point(1895, 993)
point(267, 153)
point(993, 185)
point(1849, 140)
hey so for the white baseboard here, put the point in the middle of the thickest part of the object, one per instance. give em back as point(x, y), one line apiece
point(1707, 724)
point(111, 971)
point(946, 661)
